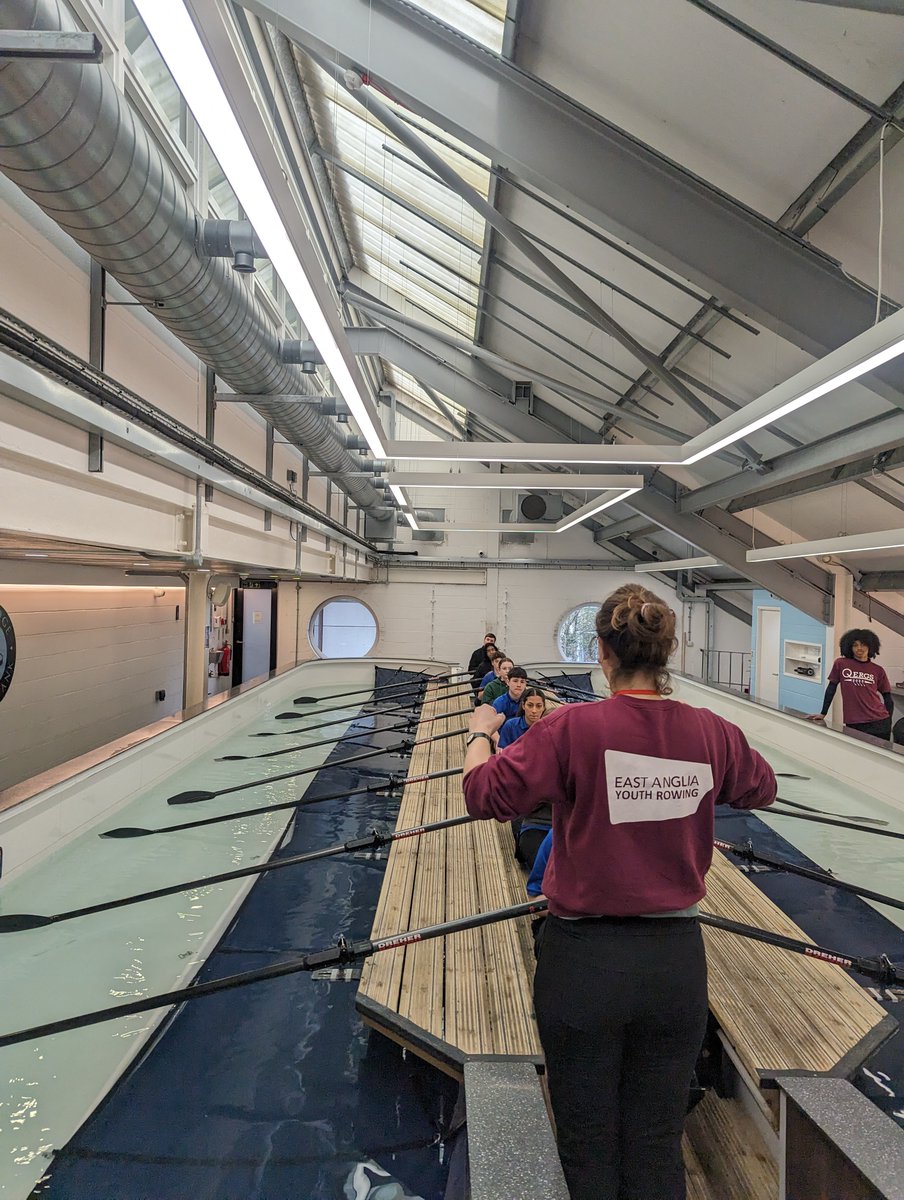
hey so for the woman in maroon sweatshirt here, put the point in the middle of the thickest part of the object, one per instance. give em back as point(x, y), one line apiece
point(620, 989)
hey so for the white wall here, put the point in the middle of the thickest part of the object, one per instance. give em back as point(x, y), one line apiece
point(444, 614)
point(89, 660)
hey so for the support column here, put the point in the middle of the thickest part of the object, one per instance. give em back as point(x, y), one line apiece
point(197, 607)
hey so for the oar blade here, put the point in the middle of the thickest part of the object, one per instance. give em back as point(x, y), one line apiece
point(234, 757)
point(18, 922)
point(126, 831)
point(305, 700)
point(191, 797)
point(288, 716)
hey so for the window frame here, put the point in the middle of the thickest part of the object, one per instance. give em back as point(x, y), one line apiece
point(333, 600)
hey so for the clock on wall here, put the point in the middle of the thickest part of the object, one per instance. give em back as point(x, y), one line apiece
point(7, 652)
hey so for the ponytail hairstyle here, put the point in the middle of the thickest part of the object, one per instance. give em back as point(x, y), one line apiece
point(639, 629)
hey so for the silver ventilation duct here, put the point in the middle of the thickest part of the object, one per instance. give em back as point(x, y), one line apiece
point(71, 142)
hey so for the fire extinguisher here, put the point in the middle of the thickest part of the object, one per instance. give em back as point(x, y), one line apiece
point(224, 666)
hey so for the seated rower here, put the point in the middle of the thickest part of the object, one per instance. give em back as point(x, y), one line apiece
point(493, 655)
point(509, 702)
point(531, 709)
point(530, 830)
point(498, 686)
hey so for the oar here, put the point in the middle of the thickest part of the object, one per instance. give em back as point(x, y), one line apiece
point(352, 738)
point(544, 681)
point(747, 852)
point(197, 796)
point(293, 716)
point(823, 812)
point(398, 748)
point(345, 953)
point(882, 969)
point(404, 712)
point(335, 956)
point(408, 683)
point(18, 922)
point(406, 726)
point(779, 812)
point(394, 781)
point(397, 710)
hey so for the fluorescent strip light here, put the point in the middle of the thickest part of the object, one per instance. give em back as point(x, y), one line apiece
point(534, 452)
point(869, 350)
point(880, 539)
point(676, 564)
point(409, 517)
point(864, 353)
point(591, 509)
point(518, 482)
point(399, 495)
point(180, 47)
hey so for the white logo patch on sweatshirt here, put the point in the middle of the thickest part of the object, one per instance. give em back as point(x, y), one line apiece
point(642, 788)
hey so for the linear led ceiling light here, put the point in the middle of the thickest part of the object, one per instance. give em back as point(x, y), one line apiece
point(180, 47)
point(531, 481)
point(409, 517)
point(879, 539)
point(400, 498)
point(864, 353)
point(594, 507)
point(676, 564)
point(535, 452)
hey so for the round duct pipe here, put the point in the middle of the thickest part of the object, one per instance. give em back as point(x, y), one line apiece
point(72, 143)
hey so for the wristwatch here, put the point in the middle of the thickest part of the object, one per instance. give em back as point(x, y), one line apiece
point(474, 736)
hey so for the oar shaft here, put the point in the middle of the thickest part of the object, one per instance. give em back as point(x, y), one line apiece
point(373, 840)
point(339, 762)
point(881, 969)
point(391, 782)
point(799, 816)
point(781, 864)
point(346, 952)
point(334, 956)
point(443, 680)
point(414, 693)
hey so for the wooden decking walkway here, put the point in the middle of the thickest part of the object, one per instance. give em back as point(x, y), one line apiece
point(467, 995)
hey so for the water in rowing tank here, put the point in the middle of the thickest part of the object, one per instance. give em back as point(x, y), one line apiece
point(258, 1094)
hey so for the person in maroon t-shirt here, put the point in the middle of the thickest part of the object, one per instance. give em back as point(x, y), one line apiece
point(866, 701)
point(620, 989)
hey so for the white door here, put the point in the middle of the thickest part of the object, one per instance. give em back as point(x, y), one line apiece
point(768, 645)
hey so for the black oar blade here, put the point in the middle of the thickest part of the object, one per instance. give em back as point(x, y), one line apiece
point(265, 735)
point(234, 758)
point(288, 716)
point(191, 797)
point(17, 922)
point(305, 700)
point(126, 831)
point(789, 775)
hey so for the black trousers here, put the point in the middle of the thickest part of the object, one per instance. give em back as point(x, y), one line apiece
point(621, 1006)
point(877, 729)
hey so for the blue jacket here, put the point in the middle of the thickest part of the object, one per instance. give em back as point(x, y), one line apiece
point(506, 705)
point(488, 678)
point(511, 731)
point(535, 879)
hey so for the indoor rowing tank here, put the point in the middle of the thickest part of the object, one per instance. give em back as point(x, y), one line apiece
point(281, 1089)
point(268, 1091)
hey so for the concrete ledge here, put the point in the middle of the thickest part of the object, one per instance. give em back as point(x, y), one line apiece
point(511, 1147)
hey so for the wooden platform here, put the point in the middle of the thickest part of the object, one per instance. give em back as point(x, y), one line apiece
point(468, 995)
point(780, 1011)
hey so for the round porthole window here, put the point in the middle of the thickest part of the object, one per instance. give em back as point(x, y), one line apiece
point(343, 628)
point(576, 635)
point(7, 652)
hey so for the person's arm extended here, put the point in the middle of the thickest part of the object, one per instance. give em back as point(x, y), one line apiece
point(508, 786)
point(889, 703)
point(831, 689)
point(749, 781)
